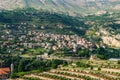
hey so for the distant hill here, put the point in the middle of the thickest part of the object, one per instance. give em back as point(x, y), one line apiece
point(71, 6)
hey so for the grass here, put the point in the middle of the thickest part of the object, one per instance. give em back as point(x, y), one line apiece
point(26, 55)
point(36, 51)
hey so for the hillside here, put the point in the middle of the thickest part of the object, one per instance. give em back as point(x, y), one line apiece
point(33, 32)
point(69, 6)
point(60, 39)
point(105, 27)
point(43, 19)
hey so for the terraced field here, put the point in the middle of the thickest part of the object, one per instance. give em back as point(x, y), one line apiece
point(77, 73)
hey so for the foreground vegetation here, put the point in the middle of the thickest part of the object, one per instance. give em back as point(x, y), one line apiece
point(82, 70)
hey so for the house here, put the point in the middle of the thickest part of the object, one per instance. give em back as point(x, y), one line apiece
point(41, 57)
point(4, 73)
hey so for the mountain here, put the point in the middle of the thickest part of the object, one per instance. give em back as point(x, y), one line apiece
point(71, 6)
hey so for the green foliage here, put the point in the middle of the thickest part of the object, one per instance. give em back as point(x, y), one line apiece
point(36, 51)
point(56, 62)
point(118, 61)
point(24, 66)
point(81, 64)
point(22, 63)
point(19, 74)
point(34, 65)
point(106, 53)
point(84, 52)
point(46, 19)
point(91, 67)
point(99, 68)
point(14, 75)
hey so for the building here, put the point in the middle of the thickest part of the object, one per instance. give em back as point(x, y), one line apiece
point(114, 59)
point(4, 73)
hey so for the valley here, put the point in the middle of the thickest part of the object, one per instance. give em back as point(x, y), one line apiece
point(60, 39)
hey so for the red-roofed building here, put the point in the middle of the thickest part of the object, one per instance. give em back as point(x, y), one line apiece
point(4, 73)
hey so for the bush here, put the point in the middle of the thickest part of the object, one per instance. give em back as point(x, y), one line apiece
point(14, 75)
point(99, 68)
point(91, 67)
point(80, 64)
point(118, 61)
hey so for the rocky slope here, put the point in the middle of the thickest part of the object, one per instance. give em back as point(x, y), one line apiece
point(110, 40)
point(105, 29)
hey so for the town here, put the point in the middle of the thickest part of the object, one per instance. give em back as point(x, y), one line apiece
point(18, 40)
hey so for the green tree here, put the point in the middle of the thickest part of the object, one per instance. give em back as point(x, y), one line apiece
point(118, 61)
point(22, 64)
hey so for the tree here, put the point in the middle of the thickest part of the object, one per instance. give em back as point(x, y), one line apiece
point(81, 64)
point(91, 67)
point(118, 61)
point(84, 52)
point(22, 64)
point(99, 68)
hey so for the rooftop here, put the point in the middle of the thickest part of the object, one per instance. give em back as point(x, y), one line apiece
point(4, 71)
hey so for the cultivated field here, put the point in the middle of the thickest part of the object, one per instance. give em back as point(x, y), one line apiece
point(101, 70)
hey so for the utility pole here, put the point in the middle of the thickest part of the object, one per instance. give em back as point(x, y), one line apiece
point(11, 66)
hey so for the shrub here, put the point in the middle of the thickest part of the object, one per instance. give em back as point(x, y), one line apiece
point(14, 75)
point(81, 64)
point(118, 61)
point(91, 67)
point(99, 68)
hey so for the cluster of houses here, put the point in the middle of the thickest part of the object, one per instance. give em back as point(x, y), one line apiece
point(59, 41)
point(32, 39)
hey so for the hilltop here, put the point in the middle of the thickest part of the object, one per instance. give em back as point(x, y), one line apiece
point(67, 6)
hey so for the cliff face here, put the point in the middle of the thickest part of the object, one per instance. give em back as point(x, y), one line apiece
point(111, 40)
point(61, 5)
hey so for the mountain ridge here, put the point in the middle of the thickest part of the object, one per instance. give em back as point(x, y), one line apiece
point(61, 5)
